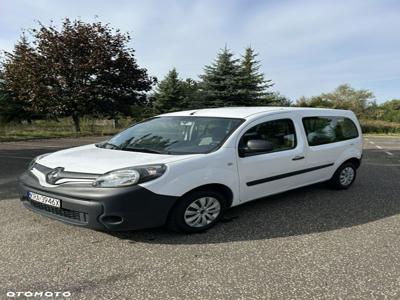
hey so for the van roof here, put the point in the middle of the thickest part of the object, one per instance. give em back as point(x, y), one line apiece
point(243, 112)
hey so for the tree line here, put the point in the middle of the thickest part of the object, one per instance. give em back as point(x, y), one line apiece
point(361, 101)
point(87, 69)
point(227, 81)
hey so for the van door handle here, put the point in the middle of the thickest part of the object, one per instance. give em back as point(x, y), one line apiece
point(298, 157)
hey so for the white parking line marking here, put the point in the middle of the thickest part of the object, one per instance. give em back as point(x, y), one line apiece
point(381, 148)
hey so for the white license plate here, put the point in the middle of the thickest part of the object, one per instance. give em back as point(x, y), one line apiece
point(44, 199)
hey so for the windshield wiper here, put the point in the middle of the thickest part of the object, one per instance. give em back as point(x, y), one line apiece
point(102, 145)
point(146, 150)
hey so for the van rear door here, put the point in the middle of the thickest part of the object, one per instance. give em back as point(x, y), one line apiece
point(327, 137)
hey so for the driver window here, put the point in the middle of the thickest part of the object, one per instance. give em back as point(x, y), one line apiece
point(280, 133)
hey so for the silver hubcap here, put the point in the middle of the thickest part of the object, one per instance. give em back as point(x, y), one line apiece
point(346, 176)
point(202, 212)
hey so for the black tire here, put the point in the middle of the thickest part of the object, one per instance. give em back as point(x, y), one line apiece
point(338, 182)
point(176, 220)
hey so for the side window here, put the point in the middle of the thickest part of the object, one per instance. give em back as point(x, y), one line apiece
point(349, 129)
point(280, 135)
point(325, 130)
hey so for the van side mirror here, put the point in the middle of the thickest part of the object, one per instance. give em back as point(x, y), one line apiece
point(257, 146)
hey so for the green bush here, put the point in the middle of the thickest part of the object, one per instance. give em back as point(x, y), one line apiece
point(377, 126)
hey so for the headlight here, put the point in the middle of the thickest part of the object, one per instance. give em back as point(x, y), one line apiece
point(129, 176)
point(33, 161)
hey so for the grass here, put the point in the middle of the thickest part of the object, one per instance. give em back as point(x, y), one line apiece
point(44, 129)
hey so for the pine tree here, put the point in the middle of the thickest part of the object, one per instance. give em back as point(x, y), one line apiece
point(220, 81)
point(170, 94)
point(193, 96)
point(275, 99)
point(253, 85)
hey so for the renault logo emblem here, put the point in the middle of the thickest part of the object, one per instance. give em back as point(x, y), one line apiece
point(54, 175)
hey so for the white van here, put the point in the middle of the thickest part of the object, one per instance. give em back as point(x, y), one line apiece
point(184, 169)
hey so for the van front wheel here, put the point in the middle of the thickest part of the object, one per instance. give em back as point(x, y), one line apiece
point(344, 176)
point(197, 211)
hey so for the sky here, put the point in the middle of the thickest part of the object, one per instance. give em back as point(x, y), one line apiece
point(306, 46)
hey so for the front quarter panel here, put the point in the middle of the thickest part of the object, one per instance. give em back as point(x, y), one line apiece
point(183, 176)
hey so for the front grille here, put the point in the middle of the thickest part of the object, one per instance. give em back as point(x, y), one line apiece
point(63, 212)
point(59, 175)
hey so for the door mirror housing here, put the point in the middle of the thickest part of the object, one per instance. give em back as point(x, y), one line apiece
point(257, 147)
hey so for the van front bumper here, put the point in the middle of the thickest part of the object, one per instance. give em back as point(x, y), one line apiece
point(115, 209)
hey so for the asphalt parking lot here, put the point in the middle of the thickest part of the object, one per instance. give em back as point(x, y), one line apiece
point(311, 243)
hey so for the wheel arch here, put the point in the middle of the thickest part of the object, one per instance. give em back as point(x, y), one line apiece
point(218, 187)
point(354, 160)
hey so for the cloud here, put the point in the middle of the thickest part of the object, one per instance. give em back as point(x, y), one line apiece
point(306, 47)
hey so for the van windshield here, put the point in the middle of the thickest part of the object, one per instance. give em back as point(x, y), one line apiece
point(174, 135)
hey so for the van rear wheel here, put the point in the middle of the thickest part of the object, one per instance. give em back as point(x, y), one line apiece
point(344, 176)
point(197, 211)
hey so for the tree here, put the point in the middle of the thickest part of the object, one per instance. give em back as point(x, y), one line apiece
point(233, 82)
point(391, 110)
point(387, 111)
point(193, 95)
point(253, 85)
point(220, 84)
point(275, 99)
point(314, 101)
point(173, 93)
point(84, 68)
point(10, 109)
point(343, 97)
point(19, 83)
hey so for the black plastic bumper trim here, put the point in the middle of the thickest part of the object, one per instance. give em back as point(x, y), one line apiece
point(137, 206)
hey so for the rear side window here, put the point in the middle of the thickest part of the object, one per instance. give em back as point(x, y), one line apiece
point(281, 133)
point(325, 130)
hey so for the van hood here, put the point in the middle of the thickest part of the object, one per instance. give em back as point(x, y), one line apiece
point(91, 159)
